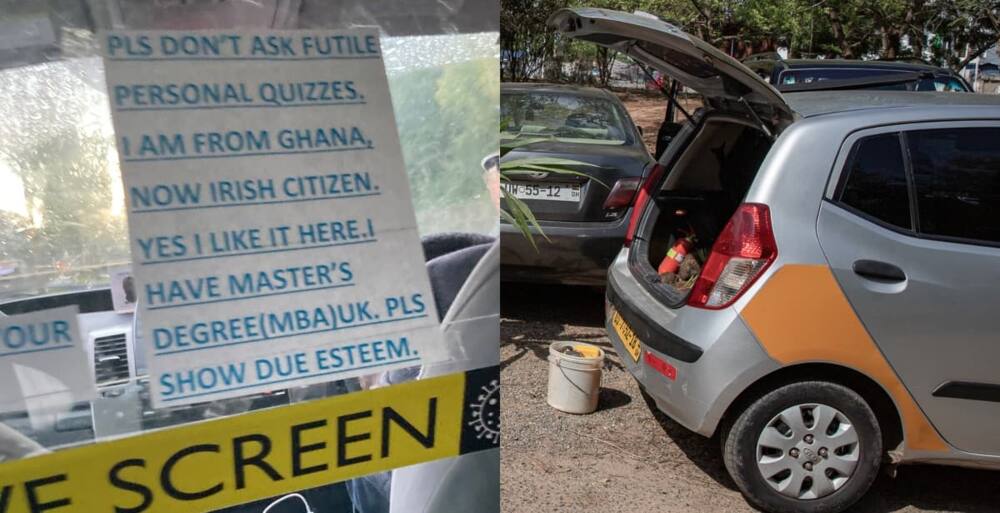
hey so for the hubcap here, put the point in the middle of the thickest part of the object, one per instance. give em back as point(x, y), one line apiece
point(808, 451)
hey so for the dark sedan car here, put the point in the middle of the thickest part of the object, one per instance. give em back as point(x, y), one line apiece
point(789, 75)
point(583, 217)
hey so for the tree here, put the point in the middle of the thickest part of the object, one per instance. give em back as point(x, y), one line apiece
point(839, 30)
point(526, 43)
point(15, 235)
point(972, 26)
point(66, 179)
point(958, 30)
point(447, 117)
point(602, 59)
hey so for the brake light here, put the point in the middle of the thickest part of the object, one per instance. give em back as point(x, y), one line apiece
point(741, 253)
point(641, 199)
point(622, 193)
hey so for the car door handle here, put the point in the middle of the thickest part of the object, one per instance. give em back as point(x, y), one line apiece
point(878, 271)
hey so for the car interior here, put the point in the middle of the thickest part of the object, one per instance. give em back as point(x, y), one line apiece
point(50, 71)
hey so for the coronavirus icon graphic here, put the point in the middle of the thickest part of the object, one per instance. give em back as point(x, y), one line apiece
point(485, 413)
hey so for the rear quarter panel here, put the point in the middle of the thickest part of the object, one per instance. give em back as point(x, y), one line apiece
point(797, 310)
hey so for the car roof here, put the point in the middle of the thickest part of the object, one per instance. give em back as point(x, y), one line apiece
point(537, 87)
point(809, 104)
point(845, 63)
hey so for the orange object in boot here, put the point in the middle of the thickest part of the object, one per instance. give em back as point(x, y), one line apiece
point(674, 257)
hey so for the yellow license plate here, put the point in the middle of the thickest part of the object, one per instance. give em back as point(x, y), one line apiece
point(625, 333)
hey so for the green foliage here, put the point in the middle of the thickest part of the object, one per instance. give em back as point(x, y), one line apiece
point(447, 118)
point(56, 138)
point(70, 234)
point(517, 212)
point(851, 29)
point(526, 43)
point(66, 180)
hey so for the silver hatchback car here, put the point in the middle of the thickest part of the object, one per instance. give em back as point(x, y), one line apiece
point(812, 276)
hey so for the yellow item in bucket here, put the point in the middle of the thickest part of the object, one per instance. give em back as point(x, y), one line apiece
point(587, 351)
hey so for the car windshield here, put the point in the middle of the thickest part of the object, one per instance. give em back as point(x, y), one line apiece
point(565, 117)
point(62, 217)
point(811, 75)
point(62, 203)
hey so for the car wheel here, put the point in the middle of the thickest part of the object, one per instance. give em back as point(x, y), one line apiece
point(809, 447)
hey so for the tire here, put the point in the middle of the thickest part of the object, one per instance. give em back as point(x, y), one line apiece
point(831, 483)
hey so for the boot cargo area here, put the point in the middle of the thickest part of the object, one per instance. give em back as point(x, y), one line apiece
point(702, 190)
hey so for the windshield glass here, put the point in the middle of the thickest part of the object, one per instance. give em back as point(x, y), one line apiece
point(942, 84)
point(566, 117)
point(62, 217)
point(808, 76)
point(62, 207)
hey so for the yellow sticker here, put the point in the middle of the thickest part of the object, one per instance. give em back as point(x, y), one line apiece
point(235, 460)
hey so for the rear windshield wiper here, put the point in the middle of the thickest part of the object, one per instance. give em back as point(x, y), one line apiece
point(904, 77)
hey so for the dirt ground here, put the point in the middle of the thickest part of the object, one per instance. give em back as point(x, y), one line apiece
point(647, 109)
point(628, 457)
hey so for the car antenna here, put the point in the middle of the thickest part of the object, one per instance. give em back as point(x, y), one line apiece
point(760, 122)
point(670, 97)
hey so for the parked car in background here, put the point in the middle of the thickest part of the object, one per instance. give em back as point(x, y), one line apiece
point(790, 74)
point(583, 218)
point(835, 306)
point(798, 75)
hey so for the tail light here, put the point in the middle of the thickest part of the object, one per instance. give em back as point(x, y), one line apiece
point(641, 199)
point(741, 253)
point(622, 193)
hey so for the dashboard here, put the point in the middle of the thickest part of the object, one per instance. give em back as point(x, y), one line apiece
point(119, 367)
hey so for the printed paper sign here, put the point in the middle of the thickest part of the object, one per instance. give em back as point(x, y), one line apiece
point(273, 237)
point(44, 365)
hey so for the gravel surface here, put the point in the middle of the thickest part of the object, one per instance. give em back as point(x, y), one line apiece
point(627, 457)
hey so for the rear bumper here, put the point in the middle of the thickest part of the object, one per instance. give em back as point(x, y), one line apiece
point(714, 354)
point(574, 254)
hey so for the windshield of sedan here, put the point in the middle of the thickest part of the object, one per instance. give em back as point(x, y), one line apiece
point(564, 117)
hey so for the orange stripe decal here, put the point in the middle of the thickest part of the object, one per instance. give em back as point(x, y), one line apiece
point(801, 315)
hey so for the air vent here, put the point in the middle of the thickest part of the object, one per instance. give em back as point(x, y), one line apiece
point(111, 359)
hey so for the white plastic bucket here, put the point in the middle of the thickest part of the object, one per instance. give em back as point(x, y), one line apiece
point(574, 381)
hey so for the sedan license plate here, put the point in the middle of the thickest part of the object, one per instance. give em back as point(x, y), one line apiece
point(544, 191)
point(625, 333)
